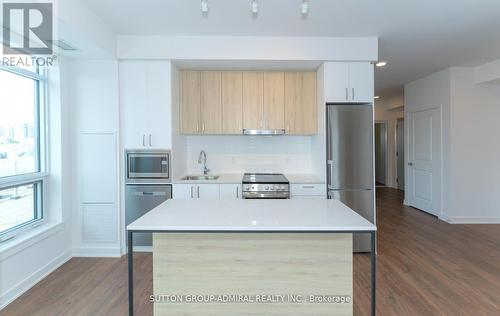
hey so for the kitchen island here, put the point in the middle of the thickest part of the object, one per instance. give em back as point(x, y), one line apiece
point(252, 257)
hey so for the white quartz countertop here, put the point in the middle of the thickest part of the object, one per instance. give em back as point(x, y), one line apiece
point(251, 215)
point(237, 177)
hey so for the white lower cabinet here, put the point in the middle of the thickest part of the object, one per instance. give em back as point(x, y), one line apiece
point(195, 191)
point(308, 191)
point(207, 191)
point(230, 191)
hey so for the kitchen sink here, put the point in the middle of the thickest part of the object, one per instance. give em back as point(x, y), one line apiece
point(200, 178)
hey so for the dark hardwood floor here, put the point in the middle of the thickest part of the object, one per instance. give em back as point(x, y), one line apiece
point(425, 267)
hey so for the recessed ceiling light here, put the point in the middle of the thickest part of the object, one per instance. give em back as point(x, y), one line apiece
point(376, 97)
point(305, 7)
point(381, 63)
point(204, 6)
point(255, 7)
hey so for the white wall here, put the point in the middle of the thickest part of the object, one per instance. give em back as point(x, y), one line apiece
point(44, 249)
point(238, 154)
point(75, 23)
point(470, 115)
point(426, 93)
point(383, 113)
point(263, 48)
point(475, 150)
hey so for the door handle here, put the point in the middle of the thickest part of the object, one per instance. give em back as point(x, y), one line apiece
point(237, 192)
point(353, 94)
point(192, 192)
point(410, 164)
point(150, 140)
point(143, 140)
point(198, 191)
point(330, 164)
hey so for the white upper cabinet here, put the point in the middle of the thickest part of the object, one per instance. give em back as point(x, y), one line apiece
point(336, 82)
point(361, 81)
point(349, 82)
point(145, 104)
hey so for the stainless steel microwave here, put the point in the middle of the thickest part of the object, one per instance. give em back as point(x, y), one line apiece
point(147, 166)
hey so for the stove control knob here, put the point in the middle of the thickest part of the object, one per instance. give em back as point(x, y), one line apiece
point(272, 188)
point(267, 187)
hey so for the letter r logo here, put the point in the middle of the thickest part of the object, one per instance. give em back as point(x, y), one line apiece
point(27, 28)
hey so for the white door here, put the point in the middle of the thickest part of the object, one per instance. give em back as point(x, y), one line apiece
point(424, 161)
point(361, 82)
point(207, 191)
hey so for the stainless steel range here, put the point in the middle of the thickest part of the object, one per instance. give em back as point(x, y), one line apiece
point(265, 186)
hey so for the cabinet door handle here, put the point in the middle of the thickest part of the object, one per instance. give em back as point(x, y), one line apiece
point(192, 192)
point(143, 140)
point(237, 192)
point(347, 93)
point(203, 128)
point(198, 191)
point(150, 140)
point(308, 186)
point(353, 97)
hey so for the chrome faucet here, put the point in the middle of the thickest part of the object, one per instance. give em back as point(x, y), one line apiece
point(204, 154)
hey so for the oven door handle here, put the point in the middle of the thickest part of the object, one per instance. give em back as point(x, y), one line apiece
point(261, 195)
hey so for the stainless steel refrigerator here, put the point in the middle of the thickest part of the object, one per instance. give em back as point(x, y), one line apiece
point(350, 161)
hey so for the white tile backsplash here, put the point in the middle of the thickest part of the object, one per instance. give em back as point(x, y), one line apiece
point(238, 154)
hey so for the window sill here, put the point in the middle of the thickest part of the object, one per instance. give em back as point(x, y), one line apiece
point(28, 238)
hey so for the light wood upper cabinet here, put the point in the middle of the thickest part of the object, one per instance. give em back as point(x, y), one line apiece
point(211, 102)
point(227, 102)
point(300, 103)
point(274, 100)
point(253, 100)
point(190, 101)
point(232, 102)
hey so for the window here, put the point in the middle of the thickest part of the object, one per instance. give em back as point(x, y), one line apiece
point(22, 148)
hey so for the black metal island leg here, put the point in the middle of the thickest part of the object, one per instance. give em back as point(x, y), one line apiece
point(374, 272)
point(130, 275)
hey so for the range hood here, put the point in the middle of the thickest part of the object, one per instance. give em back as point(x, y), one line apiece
point(263, 131)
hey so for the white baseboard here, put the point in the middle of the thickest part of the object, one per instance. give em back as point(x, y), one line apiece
point(143, 248)
point(97, 252)
point(33, 279)
point(472, 219)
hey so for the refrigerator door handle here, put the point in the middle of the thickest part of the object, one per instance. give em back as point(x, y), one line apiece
point(330, 172)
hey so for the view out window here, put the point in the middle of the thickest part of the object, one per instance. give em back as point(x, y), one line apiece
point(22, 171)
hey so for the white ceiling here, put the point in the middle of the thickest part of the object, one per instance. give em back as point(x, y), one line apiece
point(417, 37)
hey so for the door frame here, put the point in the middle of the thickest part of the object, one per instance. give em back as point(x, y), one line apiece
point(396, 150)
point(440, 212)
point(386, 123)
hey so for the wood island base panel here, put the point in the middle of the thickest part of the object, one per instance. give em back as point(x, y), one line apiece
point(252, 274)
